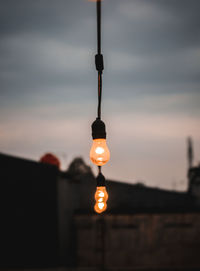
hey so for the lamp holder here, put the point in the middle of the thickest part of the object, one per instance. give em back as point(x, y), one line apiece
point(98, 129)
point(101, 181)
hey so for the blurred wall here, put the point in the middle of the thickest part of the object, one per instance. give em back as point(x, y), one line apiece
point(29, 213)
point(143, 241)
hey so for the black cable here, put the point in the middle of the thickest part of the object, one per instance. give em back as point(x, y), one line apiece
point(99, 27)
point(99, 94)
point(99, 58)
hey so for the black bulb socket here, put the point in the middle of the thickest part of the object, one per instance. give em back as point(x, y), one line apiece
point(98, 129)
point(101, 181)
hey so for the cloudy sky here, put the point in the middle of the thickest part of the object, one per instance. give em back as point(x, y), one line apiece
point(151, 83)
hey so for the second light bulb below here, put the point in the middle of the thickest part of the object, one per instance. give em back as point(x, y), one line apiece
point(101, 197)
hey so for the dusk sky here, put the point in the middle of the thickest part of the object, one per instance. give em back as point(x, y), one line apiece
point(151, 84)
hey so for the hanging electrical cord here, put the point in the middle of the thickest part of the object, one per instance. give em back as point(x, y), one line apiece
point(99, 94)
point(99, 153)
point(98, 26)
point(99, 58)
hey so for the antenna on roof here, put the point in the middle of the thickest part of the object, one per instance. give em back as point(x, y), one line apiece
point(190, 154)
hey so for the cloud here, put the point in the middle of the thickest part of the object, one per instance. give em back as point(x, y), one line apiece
point(48, 93)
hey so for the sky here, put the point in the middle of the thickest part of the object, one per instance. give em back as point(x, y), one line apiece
point(151, 84)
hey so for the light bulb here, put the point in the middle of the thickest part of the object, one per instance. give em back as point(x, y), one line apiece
point(99, 153)
point(101, 197)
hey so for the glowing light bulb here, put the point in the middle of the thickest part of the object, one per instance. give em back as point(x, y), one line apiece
point(101, 197)
point(99, 153)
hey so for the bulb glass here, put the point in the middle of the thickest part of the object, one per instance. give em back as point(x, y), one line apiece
point(99, 153)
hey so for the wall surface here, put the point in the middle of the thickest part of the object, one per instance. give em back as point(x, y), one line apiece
point(146, 241)
point(29, 220)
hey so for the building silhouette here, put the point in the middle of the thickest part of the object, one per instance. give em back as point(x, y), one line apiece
point(47, 220)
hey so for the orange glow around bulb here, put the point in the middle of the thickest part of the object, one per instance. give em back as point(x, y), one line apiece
point(101, 197)
point(99, 153)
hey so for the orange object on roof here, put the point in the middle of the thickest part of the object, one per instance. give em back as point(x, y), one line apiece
point(51, 159)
